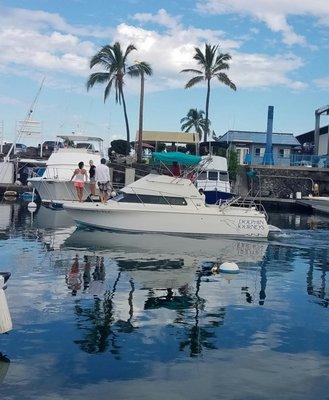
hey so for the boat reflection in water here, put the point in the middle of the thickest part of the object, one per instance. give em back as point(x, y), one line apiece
point(169, 273)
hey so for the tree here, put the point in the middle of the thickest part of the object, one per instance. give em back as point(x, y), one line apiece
point(119, 146)
point(114, 60)
point(212, 63)
point(140, 69)
point(194, 119)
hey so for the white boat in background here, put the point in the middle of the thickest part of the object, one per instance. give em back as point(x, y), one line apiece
point(54, 185)
point(160, 203)
point(214, 180)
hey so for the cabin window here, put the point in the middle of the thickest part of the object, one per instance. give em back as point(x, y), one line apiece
point(127, 198)
point(213, 175)
point(150, 199)
point(223, 176)
point(176, 201)
point(202, 176)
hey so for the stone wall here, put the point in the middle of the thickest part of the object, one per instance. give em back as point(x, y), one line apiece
point(281, 182)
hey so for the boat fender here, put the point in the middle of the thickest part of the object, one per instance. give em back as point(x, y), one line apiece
point(5, 318)
point(32, 206)
point(10, 193)
point(229, 268)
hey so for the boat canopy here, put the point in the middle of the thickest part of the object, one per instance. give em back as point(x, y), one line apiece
point(82, 138)
point(170, 158)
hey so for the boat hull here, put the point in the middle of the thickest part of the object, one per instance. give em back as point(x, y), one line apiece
point(239, 222)
point(51, 190)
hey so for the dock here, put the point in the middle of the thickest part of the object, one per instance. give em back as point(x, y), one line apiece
point(15, 188)
point(303, 205)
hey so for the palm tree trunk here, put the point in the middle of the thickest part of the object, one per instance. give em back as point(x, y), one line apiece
point(207, 111)
point(140, 128)
point(126, 121)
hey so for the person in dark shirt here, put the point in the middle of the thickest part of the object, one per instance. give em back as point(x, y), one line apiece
point(92, 178)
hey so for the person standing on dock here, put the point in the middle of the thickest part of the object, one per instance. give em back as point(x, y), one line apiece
point(79, 176)
point(103, 180)
point(92, 178)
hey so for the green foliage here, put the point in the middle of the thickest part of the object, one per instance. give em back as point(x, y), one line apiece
point(182, 149)
point(233, 164)
point(211, 64)
point(161, 147)
point(119, 146)
point(191, 148)
point(219, 151)
point(194, 119)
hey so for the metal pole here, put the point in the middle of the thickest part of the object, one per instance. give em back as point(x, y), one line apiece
point(317, 133)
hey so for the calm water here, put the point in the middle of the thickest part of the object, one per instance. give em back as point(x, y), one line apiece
point(118, 316)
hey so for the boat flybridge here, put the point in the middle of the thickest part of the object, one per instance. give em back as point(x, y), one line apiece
point(168, 204)
point(54, 185)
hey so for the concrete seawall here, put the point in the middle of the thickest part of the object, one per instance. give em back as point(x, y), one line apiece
point(281, 182)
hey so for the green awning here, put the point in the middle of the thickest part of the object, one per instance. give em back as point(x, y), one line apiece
point(180, 158)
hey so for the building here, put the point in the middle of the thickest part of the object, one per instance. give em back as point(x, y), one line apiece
point(307, 141)
point(250, 146)
point(155, 138)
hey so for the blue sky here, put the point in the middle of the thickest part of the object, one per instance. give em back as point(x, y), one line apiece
point(279, 54)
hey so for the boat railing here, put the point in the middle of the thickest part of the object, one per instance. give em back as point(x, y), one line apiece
point(244, 202)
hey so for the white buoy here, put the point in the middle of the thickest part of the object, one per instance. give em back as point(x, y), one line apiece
point(229, 268)
point(32, 206)
point(5, 318)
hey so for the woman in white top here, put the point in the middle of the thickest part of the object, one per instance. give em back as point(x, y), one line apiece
point(80, 176)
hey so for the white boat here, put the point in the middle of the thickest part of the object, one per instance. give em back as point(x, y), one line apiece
point(160, 203)
point(54, 185)
point(214, 180)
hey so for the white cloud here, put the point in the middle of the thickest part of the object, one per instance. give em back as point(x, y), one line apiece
point(274, 13)
point(39, 20)
point(8, 100)
point(34, 43)
point(160, 18)
point(322, 83)
point(172, 51)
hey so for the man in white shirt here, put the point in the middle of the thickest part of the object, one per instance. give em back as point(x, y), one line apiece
point(103, 180)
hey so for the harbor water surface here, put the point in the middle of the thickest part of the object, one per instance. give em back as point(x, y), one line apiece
point(136, 316)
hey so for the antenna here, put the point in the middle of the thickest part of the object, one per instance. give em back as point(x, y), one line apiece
point(26, 120)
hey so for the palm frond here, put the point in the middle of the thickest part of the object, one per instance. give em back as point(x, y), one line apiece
point(108, 89)
point(223, 78)
point(199, 56)
point(193, 81)
point(104, 57)
point(129, 49)
point(220, 67)
point(140, 68)
point(97, 77)
point(187, 126)
point(191, 70)
point(223, 57)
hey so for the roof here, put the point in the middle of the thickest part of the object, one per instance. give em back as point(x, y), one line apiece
point(309, 136)
point(181, 158)
point(259, 137)
point(83, 138)
point(169, 137)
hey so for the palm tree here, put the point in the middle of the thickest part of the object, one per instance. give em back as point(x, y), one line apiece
point(114, 60)
point(212, 62)
point(194, 119)
point(140, 68)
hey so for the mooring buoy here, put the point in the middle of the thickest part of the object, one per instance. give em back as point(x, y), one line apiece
point(229, 268)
